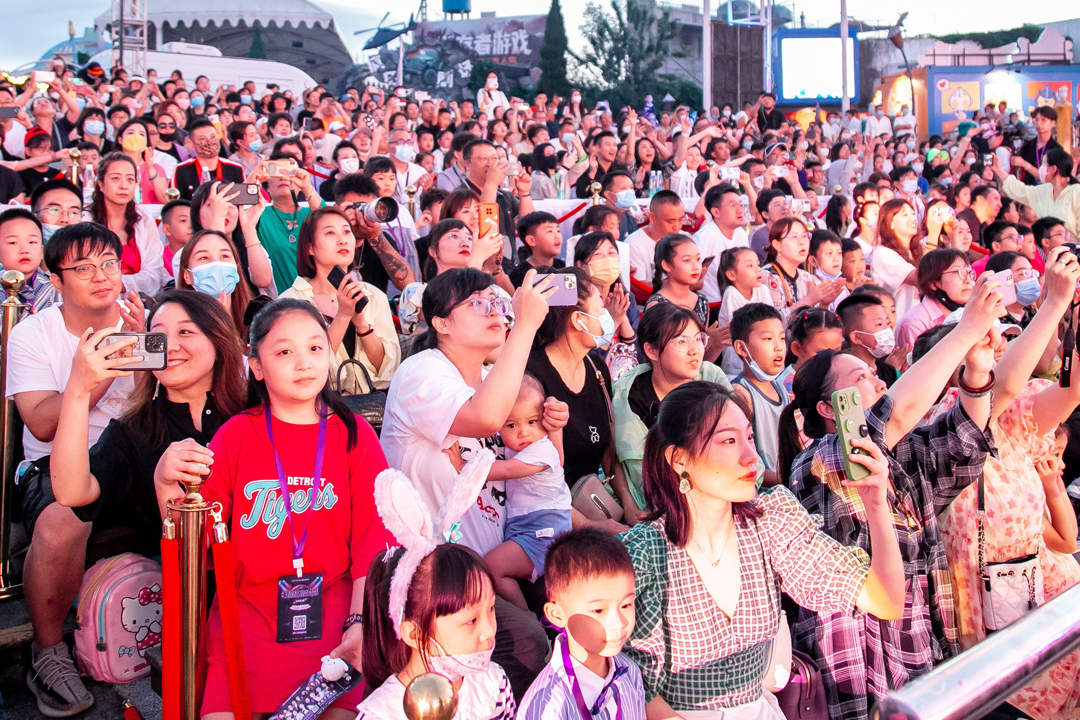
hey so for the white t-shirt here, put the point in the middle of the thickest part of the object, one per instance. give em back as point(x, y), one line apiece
point(546, 490)
point(167, 162)
point(711, 242)
point(876, 126)
point(411, 176)
point(733, 300)
point(905, 122)
point(867, 251)
point(642, 254)
point(424, 399)
point(40, 351)
point(889, 271)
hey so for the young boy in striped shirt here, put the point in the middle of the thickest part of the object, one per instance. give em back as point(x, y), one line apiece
point(590, 586)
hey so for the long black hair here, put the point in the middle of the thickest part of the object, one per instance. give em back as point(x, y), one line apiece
point(665, 253)
point(813, 383)
point(688, 416)
point(259, 397)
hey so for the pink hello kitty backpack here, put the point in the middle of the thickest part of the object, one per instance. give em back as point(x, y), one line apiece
point(119, 618)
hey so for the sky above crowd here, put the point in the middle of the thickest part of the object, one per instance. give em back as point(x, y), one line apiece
point(40, 25)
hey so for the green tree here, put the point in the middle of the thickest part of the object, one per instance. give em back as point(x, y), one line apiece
point(258, 49)
point(553, 54)
point(625, 47)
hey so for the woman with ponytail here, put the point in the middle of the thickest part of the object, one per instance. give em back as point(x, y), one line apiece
point(930, 465)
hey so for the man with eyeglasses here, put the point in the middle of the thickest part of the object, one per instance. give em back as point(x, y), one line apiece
point(1000, 236)
point(724, 205)
point(21, 249)
point(56, 203)
point(84, 262)
point(1049, 233)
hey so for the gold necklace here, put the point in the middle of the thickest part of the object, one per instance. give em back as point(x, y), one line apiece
point(714, 563)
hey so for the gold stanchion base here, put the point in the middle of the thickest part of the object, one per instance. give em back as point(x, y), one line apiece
point(10, 588)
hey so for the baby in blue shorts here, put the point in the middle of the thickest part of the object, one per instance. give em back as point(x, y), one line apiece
point(537, 498)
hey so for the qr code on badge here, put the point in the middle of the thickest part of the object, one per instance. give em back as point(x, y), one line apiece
point(299, 623)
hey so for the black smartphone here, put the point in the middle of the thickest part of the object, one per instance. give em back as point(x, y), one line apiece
point(7, 113)
point(335, 276)
point(307, 125)
point(245, 194)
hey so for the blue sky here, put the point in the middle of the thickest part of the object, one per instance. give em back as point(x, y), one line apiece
point(42, 24)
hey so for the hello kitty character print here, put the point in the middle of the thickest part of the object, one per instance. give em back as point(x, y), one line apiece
point(141, 616)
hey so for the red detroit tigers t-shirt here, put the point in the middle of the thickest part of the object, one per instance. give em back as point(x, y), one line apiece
point(345, 530)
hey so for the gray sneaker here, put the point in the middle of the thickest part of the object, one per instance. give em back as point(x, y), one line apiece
point(56, 683)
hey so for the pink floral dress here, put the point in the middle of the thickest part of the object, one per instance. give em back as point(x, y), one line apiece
point(1015, 510)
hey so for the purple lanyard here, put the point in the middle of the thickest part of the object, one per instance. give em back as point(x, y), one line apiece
point(298, 546)
point(568, 666)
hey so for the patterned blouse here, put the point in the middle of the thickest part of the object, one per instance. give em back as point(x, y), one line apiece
point(861, 655)
point(701, 307)
point(689, 651)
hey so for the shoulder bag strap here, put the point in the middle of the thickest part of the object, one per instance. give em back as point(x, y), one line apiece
point(603, 388)
point(980, 517)
point(783, 283)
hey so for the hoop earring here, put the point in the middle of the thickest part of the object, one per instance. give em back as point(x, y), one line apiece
point(684, 484)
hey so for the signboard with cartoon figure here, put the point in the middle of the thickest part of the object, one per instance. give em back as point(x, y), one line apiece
point(440, 59)
point(959, 100)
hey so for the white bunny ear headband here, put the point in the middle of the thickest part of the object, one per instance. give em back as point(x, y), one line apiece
point(404, 514)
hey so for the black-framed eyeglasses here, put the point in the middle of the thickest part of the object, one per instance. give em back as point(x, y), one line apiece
point(88, 270)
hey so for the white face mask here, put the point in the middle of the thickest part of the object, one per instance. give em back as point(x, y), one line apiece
point(885, 342)
point(348, 166)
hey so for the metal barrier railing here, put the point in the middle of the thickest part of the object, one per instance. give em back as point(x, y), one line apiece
point(977, 681)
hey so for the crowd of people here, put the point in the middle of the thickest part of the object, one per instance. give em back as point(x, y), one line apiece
point(681, 349)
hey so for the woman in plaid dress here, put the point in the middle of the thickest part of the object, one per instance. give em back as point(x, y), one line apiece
point(863, 655)
point(711, 560)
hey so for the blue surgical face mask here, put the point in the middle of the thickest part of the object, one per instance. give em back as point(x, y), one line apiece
point(625, 200)
point(1027, 291)
point(760, 374)
point(607, 328)
point(245, 99)
point(748, 144)
point(945, 181)
point(255, 145)
point(47, 231)
point(726, 112)
point(94, 127)
point(198, 101)
point(825, 276)
point(81, 102)
point(215, 278)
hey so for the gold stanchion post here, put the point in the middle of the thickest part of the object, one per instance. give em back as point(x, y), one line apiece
point(75, 154)
point(595, 188)
point(191, 512)
point(411, 192)
point(10, 581)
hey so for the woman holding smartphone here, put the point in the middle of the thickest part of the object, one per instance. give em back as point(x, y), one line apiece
point(361, 326)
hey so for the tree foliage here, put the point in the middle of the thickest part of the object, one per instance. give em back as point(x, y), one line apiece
point(553, 54)
point(626, 45)
point(997, 38)
point(258, 48)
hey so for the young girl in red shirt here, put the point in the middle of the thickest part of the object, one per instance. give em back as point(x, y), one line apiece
point(290, 559)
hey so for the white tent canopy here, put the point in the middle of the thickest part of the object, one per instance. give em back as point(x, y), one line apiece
point(233, 12)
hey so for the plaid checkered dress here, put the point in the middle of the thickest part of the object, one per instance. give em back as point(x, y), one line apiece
point(690, 652)
point(860, 655)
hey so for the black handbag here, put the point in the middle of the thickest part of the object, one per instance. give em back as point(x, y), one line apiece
point(369, 405)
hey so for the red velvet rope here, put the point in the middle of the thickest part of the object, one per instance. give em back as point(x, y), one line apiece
point(572, 213)
point(171, 661)
point(230, 624)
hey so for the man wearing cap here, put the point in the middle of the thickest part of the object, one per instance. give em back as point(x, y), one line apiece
point(38, 144)
point(337, 128)
point(768, 117)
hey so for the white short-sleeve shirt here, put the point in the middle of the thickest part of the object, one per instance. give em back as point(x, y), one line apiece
point(545, 490)
point(40, 351)
point(711, 242)
point(425, 396)
point(889, 271)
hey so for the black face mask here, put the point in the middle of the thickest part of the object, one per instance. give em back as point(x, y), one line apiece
point(942, 297)
point(167, 137)
point(550, 162)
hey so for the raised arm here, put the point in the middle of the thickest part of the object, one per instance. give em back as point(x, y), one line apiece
point(883, 593)
point(69, 467)
point(917, 389)
point(484, 413)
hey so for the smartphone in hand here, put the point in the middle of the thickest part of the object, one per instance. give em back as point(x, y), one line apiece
point(152, 347)
point(850, 423)
point(566, 290)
